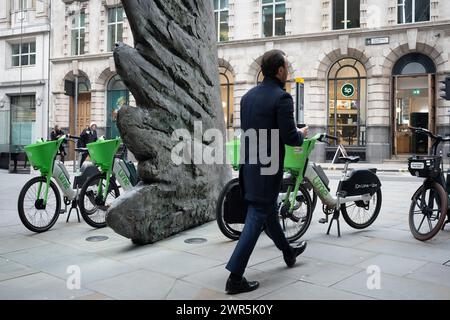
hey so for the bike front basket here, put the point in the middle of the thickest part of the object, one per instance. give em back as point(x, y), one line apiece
point(102, 152)
point(42, 154)
point(425, 166)
point(296, 157)
point(233, 151)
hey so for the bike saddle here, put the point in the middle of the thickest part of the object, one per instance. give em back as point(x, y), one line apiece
point(350, 159)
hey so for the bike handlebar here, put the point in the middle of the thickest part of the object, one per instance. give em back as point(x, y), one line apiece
point(430, 134)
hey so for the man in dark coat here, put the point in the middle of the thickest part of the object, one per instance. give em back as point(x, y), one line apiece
point(87, 136)
point(265, 108)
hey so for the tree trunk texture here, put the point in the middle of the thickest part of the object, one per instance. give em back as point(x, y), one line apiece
point(173, 75)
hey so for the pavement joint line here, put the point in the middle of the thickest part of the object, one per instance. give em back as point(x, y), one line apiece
point(21, 276)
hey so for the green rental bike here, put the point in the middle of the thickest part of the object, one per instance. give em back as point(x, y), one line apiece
point(358, 196)
point(39, 203)
point(101, 189)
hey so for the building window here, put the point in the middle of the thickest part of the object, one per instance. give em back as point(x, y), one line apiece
point(410, 11)
point(23, 54)
point(115, 26)
point(23, 5)
point(221, 19)
point(23, 119)
point(346, 14)
point(347, 102)
point(227, 94)
point(78, 30)
point(273, 18)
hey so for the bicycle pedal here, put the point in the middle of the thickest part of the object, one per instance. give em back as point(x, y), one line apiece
point(323, 221)
point(62, 211)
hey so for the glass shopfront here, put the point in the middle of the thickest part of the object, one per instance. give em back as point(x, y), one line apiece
point(347, 92)
point(117, 97)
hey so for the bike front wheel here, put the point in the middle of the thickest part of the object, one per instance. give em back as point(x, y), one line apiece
point(360, 214)
point(92, 205)
point(36, 215)
point(428, 211)
point(295, 224)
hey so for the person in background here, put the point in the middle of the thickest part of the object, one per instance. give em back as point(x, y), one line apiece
point(88, 135)
point(55, 135)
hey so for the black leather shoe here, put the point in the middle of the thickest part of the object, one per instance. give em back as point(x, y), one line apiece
point(296, 251)
point(235, 287)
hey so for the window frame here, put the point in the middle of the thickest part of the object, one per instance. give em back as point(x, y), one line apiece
point(273, 4)
point(346, 20)
point(413, 12)
point(78, 29)
point(20, 55)
point(115, 24)
point(333, 76)
point(218, 21)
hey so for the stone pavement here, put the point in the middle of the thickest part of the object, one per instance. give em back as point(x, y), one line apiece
point(34, 266)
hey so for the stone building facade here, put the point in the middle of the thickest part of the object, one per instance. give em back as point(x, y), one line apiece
point(24, 94)
point(83, 37)
point(370, 68)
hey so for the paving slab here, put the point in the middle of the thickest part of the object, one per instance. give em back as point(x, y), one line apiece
point(140, 285)
point(307, 291)
point(394, 288)
point(393, 265)
point(38, 286)
point(310, 270)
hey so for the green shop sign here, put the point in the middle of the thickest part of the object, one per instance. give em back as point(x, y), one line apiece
point(348, 90)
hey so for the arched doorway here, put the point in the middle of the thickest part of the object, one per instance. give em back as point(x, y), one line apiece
point(227, 95)
point(347, 102)
point(117, 96)
point(413, 103)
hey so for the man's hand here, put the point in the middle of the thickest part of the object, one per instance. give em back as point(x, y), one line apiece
point(304, 131)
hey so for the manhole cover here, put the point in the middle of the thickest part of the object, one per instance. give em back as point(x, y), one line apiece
point(195, 240)
point(97, 238)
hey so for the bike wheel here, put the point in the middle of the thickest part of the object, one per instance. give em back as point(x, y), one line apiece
point(92, 207)
point(360, 215)
point(231, 231)
point(34, 215)
point(429, 204)
point(294, 225)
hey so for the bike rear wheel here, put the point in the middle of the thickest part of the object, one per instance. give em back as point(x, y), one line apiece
point(92, 206)
point(360, 215)
point(34, 215)
point(428, 211)
point(230, 230)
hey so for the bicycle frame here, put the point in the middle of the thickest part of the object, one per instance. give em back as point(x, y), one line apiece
point(319, 186)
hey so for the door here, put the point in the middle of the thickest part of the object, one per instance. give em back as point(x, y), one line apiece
point(413, 106)
point(83, 118)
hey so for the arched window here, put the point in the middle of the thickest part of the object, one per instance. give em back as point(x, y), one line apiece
point(117, 96)
point(413, 64)
point(83, 85)
point(347, 82)
point(227, 95)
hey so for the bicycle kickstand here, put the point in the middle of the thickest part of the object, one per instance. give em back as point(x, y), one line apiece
point(336, 215)
point(74, 206)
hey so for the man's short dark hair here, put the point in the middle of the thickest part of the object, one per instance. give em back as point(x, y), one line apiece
point(271, 62)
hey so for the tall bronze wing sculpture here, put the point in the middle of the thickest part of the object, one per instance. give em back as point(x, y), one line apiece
point(172, 73)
